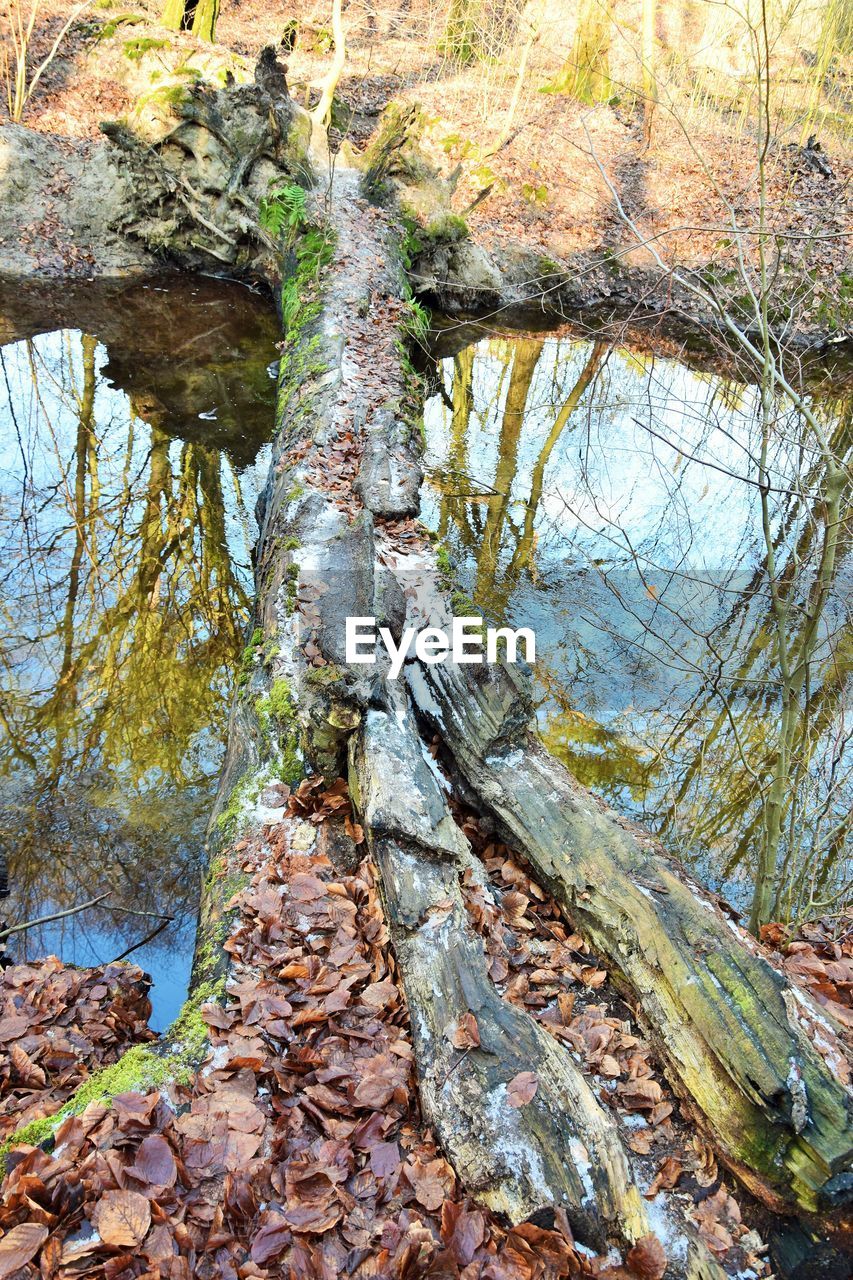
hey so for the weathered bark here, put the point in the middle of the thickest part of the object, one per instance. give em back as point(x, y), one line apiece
point(561, 1149)
point(735, 1034)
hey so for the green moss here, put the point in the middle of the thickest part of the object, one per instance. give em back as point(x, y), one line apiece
point(290, 764)
point(276, 705)
point(291, 586)
point(121, 19)
point(136, 49)
point(31, 1135)
point(244, 793)
point(171, 95)
point(410, 242)
point(302, 359)
point(139, 1069)
point(278, 708)
point(548, 267)
point(322, 676)
point(417, 320)
point(291, 544)
point(463, 606)
point(281, 705)
point(247, 661)
point(446, 228)
point(295, 492)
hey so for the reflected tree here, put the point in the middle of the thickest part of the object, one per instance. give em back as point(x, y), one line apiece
point(734, 745)
point(123, 614)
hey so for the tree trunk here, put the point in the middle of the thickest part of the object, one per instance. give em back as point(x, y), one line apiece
point(735, 1034)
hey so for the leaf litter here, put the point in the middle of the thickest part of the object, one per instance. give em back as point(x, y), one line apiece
point(299, 1149)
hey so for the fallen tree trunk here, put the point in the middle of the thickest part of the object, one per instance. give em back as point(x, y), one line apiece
point(736, 1035)
point(561, 1149)
point(346, 472)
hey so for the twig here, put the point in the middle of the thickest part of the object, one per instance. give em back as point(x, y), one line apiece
point(456, 1064)
point(142, 941)
point(56, 915)
point(148, 915)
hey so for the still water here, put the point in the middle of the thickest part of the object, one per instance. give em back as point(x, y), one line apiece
point(684, 561)
point(669, 543)
point(132, 430)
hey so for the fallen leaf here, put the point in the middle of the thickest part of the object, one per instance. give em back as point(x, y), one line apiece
point(666, 1177)
point(522, 1088)
point(647, 1259)
point(19, 1246)
point(122, 1217)
point(155, 1162)
point(466, 1034)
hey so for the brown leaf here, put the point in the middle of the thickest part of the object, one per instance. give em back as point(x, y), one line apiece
point(19, 1246)
point(468, 1234)
point(155, 1162)
point(666, 1177)
point(522, 1088)
point(217, 1017)
point(354, 830)
point(640, 1095)
point(515, 905)
point(270, 1242)
point(641, 1142)
point(306, 888)
point(466, 1034)
point(379, 994)
point(122, 1217)
point(313, 1218)
point(25, 1069)
point(431, 1182)
point(647, 1259)
point(13, 1026)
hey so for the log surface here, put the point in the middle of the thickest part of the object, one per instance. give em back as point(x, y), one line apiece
point(730, 1027)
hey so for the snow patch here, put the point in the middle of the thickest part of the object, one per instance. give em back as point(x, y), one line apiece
point(581, 1161)
point(510, 1143)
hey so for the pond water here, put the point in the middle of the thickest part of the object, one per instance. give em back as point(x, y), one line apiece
point(132, 430)
point(613, 502)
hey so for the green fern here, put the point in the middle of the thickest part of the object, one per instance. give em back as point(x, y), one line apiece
point(417, 322)
point(283, 210)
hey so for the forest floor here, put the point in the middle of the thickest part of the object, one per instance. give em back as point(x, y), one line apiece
point(300, 1142)
point(548, 170)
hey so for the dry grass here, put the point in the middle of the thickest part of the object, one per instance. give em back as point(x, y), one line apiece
point(684, 171)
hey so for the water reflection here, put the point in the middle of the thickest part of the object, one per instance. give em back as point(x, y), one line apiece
point(682, 554)
point(126, 527)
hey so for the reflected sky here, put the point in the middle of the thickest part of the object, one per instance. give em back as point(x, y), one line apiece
point(611, 501)
point(128, 480)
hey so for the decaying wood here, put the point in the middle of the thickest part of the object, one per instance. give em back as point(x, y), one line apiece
point(730, 1028)
point(560, 1149)
point(320, 560)
point(768, 1099)
point(346, 460)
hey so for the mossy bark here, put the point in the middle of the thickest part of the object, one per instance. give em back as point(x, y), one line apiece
point(734, 1033)
point(205, 18)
